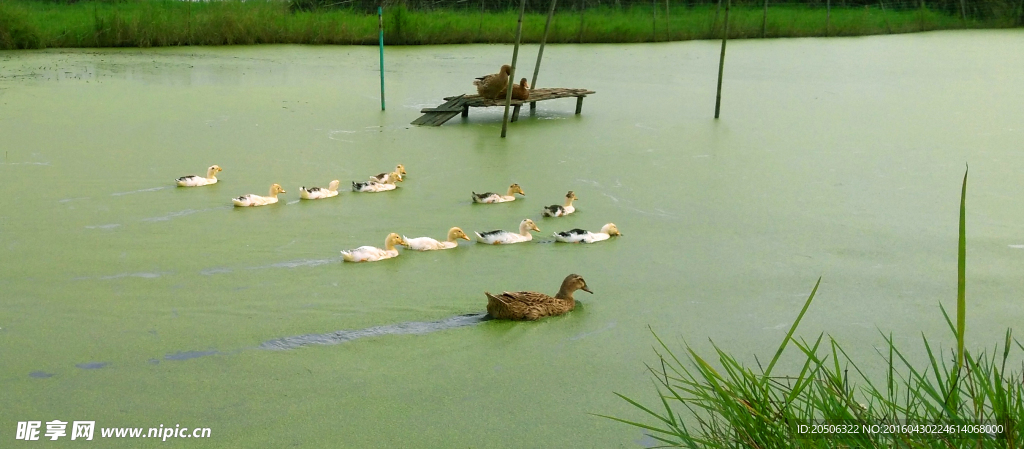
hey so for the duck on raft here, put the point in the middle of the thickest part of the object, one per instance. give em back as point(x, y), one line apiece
point(491, 86)
point(520, 91)
point(374, 186)
point(197, 181)
point(373, 254)
point(317, 193)
point(253, 200)
point(429, 244)
point(530, 306)
point(583, 236)
point(491, 197)
point(500, 237)
point(561, 211)
point(382, 177)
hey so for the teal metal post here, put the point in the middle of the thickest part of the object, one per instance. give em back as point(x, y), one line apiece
point(380, 27)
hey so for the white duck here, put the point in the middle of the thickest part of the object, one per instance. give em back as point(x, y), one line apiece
point(252, 199)
point(429, 244)
point(491, 197)
point(561, 211)
point(582, 236)
point(373, 254)
point(373, 186)
point(504, 237)
point(196, 181)
point(382, 177)
point(316, 193)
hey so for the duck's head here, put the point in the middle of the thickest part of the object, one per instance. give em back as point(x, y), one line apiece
point(334, 185)
point(215, 168)
point(522, 83)
point(276, 188)
point(610, 229)
point(514, 188)
point(400, 169)
point(529, 224)
point(456, 233)
point(571, 196)
point(505, 69)
point(575, 282)
point(394, 239)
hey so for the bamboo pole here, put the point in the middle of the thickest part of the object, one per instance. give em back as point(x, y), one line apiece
point(764, 19)
point(828, 16)
point(512, 73)
point(654, 20)
point(540, 53)
point(721, 60)
point(380, 28)
point(887, 27)
point(668, 25)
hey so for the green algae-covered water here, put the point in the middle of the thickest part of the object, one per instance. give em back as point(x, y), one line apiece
point(127, 301)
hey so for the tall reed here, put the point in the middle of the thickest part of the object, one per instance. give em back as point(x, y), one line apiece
point(735, 406)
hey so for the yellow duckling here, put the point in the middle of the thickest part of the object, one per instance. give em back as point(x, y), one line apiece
point(520, 306)
point(491, 197)
point(373, 254)
point(561, 211)
point(500, 237)
point(429, 244)
point(490, 86)
point(196, 181)
point(316, 193)
point(252, 200)
point(382, 177)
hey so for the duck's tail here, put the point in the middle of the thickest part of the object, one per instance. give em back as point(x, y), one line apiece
point(347, 255)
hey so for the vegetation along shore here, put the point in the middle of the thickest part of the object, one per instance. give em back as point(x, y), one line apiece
point(154, 23)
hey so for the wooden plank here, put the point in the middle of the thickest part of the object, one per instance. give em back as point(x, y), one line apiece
point(460, 104)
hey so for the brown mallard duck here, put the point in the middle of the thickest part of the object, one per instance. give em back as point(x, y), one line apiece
point(490, 86)
point(520, 91)
point(519, 306)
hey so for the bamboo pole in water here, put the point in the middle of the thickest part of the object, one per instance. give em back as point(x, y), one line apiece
point(380, 29)
point(512, 73)
point(764, 19)
point(540, 53)
point(721, 60)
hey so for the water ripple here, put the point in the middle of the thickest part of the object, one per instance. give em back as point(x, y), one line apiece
point(407, 328)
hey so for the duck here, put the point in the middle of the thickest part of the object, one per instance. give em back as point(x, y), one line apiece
point(429, 244)
point(252, 200)
point(561, 211)
point(530, 306)
point(490, 86)
point(316, 193)
point(500, 237)
point(373, 186)
point(491, 197)
point(384, 176)
point(373, 254)
point(582, 236)
point(520, 91)
point(197, 181)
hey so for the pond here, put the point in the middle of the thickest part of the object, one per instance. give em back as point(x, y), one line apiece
point(133, 303)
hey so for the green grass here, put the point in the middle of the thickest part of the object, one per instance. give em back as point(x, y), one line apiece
point(148, 23)
point(735, 406)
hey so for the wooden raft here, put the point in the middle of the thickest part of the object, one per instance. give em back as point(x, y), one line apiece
point(460, 104)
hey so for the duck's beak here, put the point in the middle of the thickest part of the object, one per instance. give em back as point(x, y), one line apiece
point(584, 288)
point(465, 237)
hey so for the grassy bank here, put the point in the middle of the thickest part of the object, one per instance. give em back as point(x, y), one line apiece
point(34, 24)
point(737, 406)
